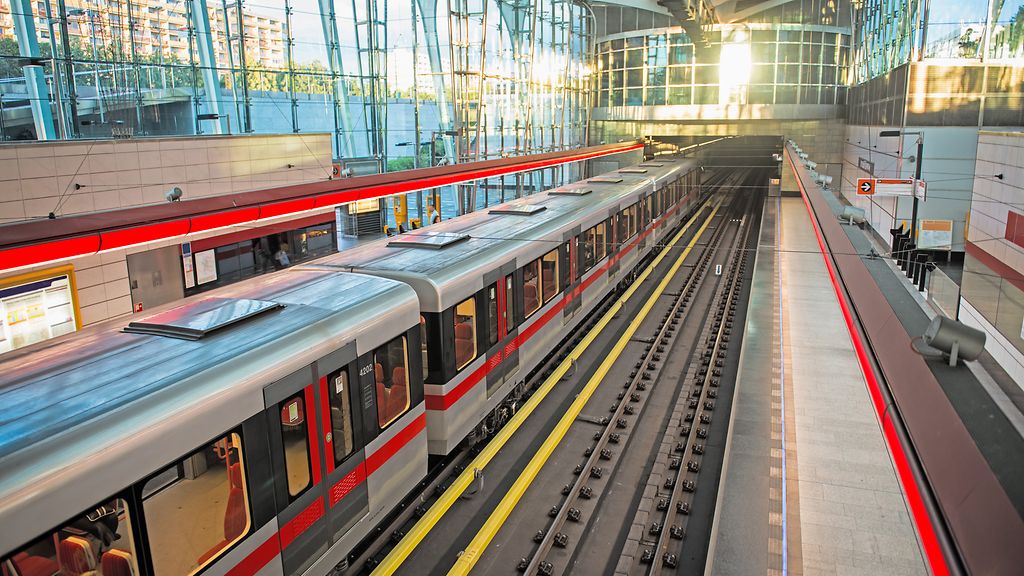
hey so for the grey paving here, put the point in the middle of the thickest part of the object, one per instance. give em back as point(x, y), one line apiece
point(846, 512)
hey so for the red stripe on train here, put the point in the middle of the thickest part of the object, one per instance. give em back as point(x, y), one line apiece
point(391, 447)
point(449, 398)
point(266, 552)
point(347, 484)
point(257, 559)
point(296, 526)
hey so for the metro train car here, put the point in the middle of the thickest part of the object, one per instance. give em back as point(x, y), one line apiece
point(259, 428)
point(500, 287)
point(268, 426)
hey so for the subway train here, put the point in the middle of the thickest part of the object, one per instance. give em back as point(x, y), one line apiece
point(268, 426)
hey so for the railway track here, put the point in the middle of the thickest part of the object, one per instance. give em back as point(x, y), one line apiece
point(683, 445)
point(564, 526)
point(582, 496)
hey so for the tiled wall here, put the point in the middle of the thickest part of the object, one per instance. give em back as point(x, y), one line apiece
point(126, 173)
point(994, 199)
point(992, 295)
point(949, 162)
point(39, 178)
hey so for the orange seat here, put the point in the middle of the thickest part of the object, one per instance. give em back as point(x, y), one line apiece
point(530, 299)
point(28, 565)
point(235, 523)
point(75, 556)
point(399, 392)
point(235, 475)
point(549, 287)
point(464, 348)
point(117, 563)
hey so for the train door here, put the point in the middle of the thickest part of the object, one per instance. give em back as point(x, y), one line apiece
point(570, 272)
point(342, 431)
point(506, 351)
point(292, 406)
point(614, 241)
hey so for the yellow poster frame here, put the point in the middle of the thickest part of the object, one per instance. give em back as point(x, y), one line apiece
point(47, 273)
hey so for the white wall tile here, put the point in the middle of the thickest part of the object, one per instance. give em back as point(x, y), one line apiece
point(94, 313)
point(88, 277)
point(106, 200)
point(10, 191)
point(37, 167)
point(40, 207)
point(9, 169)
point(77, 204)
point(116, 289)
point(172, 158)
point(150, 159)
point(114, 271)
point(90, 295)
point(12, 211)
point(127, 160)
point(119, 306)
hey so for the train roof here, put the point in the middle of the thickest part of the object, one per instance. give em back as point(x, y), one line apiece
point(92, 374)
point(485, 240)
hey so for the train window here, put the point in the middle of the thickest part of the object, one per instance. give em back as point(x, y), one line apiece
point(589, 248)
point(630, 213)
point(549, 272)
point(295, 440)
point(531, 288)
point(600, 241)
point(510, 309)
point(492, 314)
point(197, 508)
point(391, 369)
point(97, 542)
point(342, 430)
point(465, 332)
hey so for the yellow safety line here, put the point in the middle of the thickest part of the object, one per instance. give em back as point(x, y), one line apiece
point(497, 518)
point(419, 531)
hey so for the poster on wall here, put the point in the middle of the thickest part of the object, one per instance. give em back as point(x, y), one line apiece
point(935, 235)
point(186, 268)
point(206, 267)
point(35, 310)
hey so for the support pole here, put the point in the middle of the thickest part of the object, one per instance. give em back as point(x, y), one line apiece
point(35, 77)
point(208, 63)
point(342, 118)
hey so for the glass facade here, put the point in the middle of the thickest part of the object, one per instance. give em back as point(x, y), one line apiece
point(749, 64)
point(890, 33)
point(391, 80)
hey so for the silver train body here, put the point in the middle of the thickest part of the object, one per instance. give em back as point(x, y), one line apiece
point(284, 416)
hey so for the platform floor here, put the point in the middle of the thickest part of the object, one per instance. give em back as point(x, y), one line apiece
point(833, 505)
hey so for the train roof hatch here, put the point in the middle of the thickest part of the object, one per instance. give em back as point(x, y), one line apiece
point(632, 171)
point(605, 180)
point(432, 240)
point(518, 210)
point(570, 191)
point(193, 321)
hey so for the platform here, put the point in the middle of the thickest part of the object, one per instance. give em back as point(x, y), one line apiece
point(834, 504)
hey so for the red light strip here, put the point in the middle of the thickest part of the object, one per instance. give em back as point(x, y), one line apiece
point(67, 248)
point(922, 521)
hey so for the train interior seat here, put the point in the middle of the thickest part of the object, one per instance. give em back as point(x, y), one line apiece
point(530, 299)
point(26, 564)
point(463, 343)
point(399, 392)
point(549, 285)
point(116, 562)
point(235, 521)
point(76, 557)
